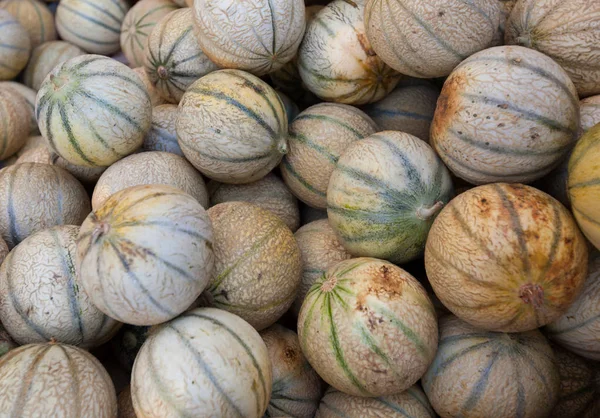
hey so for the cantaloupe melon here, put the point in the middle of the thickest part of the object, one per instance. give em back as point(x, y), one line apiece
point(368, 328)
point(44, 58)
point(31, 143)
point(14, 122)
point(146, 254)
point(506, 257)
point(589, 110)
point(125, 404)
point(162, 135)
point(15, 47)
point(489, 126)
point(29, 96)
point(206, 362)
point(35, 17)
point(155, 98)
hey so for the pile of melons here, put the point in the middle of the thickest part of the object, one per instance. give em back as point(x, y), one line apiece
point(287, 208)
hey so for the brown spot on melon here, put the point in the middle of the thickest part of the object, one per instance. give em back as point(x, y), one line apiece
point(532, 294)
point(448, 103)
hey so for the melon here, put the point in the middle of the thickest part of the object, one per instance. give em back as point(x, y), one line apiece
point(384, 195)
point(589, 110)
point(155, 98)
point(3, 250)
point(258, 36)
point(55, 380)
point(31, 143)
point(489, 126)
point(491, 374)
point(336, 60)
point(232, 126)
point(428, 39)
point(14, 122)
point(15, 47)
point(137, 25)
point(35, 17)
point(206, 362)
point(29, 96)
point(6, 342)
point(506, 257)
point(317, 138)
point(37, 196)
point(566, 31)
point(43, 297)
point(269, 193)
point(162, 135)
point(258, 263)
point(368, 328)
point(125, 404)
point(173, 60)
point(93, 110)
point(44, 58)
point(153, 167)
point(296, 388)
point(94, 27)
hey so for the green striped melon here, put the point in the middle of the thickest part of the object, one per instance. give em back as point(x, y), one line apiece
point(336, 60)
point(429, 39)
point(368, 328)
point(6, 343)
point(29, 96)
point(44, 58)
point(317, 138)
point(139, 22)
point(44, 299)
point(291, 109)
point(93, 110)
point(506, 257)
point(162, 135)
point(490, 374)
point(173, 59)
point(125, 404)
point(589, 109)
point(15, 47)
point(128, 342)
point(35, 17)
point(206, 362)
point(232, 127)
point(297, 388)
point(258, 36)
point(155, 98)
point(143, 240)
point(55, 380)
point(566, 31)
point(489, 127)
point(258, 263)
point(14, 122)
point(385, 193)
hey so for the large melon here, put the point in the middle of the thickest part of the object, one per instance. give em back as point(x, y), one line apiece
point(14, 122)
point(506, 257)
point(15, 47)
point(589, 110)
point(44, 58)
point(162, 135)
point(155, 98)
point(368, 328)
point(29, 96)
point(35, 17)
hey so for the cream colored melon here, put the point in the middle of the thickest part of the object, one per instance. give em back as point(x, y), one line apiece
point(45, 57)
point(35, 17)
point(29, 96)
point(125, 404)
point(155, 98)
point(3, 250)
point(162, 135)
point(6, 343)
point(31, 143)
point(15, 47)
point(589, 110)
point(14, 122)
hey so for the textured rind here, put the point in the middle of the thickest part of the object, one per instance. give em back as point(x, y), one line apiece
point(505, 114)
point(125, 404)
point(162, 135)
point(493, 375)
point(35, 17)
point(55, 380)
point(42, 294)
point(492, 243)
point(155, 98)
point(506, 7)
point(206, 363)
point(258, 36)
point(368, 328)
point(15, 48)
point(29, 96)
point(589, 110)
point(44, 58)
point(14, 122)
point(427, 39)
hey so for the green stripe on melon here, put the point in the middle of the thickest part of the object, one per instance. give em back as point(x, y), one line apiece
point(15, 46)
point(35, 17)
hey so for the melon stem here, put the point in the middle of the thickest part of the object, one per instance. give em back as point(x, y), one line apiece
point(427, 213)
point(282, 146)
point(100, 230)
point(525, 40)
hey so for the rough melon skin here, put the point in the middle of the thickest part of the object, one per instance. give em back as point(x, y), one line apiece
point(162, 135)
point(506, 7)
point(14, 122)
point(488, 374)
point(232, 127)
point(590, 112)
point(155, 98)
point(29, 96)
point(44, 58)
point(146, 254)
point(257, 36)
point(55, 380)
point(490, 127)
point(44, 299)
point(368, 328)
point(213, 363)
point(506, 257)
point(428, 39)
point(566, 31)
point(35, 17)
point(93, 110)
point(15, 48)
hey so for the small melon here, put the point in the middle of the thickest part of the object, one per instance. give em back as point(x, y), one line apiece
point(590, 112)
point(15, 47)
point(44, 58)
point(162, 135)
point(35, 17)
point(155, 98)
point(14, 122)
point(29, 96)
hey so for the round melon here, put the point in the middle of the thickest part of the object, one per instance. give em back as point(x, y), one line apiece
point(44, 58)
point(31, 143)
point(125, 404)
point(44, 299)
point(146, 254)
point(566, 31)
point(368, 328)
point(6, 342)
point(15, 47)
point(14, 122)
point(506, 257)
point(428, 39)
point(489, 126)
point(491, 374)
point(589, 110)
point(35, 17)
point(336, 60)
point(37, 196)
point(269, 193)
point(173, 59)
point(55, 380)
point(95, 26)
point(317, 138)
point(258, 36)
point(93, 110)
point(296, 388)
point(162, 135)
point(29, 96)
point(232, 127)
point(258, 264)
point(384, 194)
point(211, 361)
point(155, 98)
point(150, 168)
